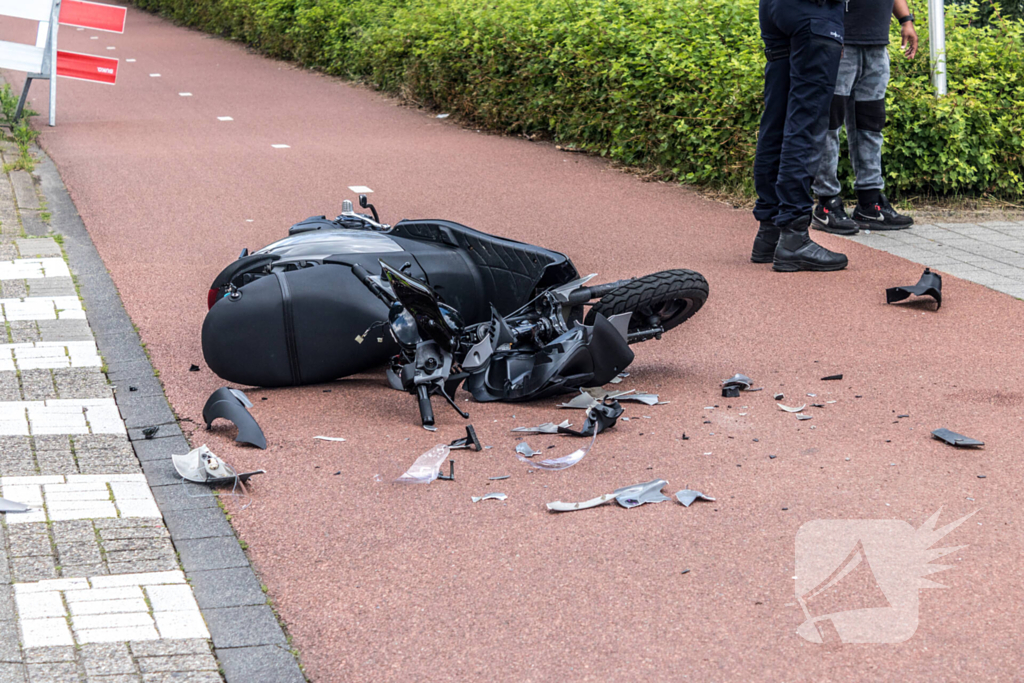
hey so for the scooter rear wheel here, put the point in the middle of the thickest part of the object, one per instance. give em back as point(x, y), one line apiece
point(666, 299)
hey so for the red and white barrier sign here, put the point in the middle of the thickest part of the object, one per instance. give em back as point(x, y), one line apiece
point(93, 15)
point(86, 67)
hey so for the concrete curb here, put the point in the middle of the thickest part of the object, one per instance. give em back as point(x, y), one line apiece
point(248, 641)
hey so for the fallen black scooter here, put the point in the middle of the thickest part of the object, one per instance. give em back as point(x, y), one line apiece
point(450, 305)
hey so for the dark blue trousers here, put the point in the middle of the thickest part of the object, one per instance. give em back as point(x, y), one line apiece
point(804, 42)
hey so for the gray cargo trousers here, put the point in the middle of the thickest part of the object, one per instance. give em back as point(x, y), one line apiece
point(859, 102)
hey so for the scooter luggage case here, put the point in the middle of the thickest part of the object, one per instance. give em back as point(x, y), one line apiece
point(292, 328)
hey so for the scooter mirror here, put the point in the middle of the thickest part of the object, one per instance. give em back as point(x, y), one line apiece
point(362, 201)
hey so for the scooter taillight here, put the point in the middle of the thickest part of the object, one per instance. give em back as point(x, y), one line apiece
point(211, 298)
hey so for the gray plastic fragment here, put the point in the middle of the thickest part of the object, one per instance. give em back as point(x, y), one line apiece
point(526, 451)
point(790, 409)
point(954, 439)
point(504, 476)
point(738, 380)
point(687, 497)
point(638, 494)
point(546, 428)
point(801, 416)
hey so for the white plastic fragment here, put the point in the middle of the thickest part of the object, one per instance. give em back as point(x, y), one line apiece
point(779, 396)
point(443, 116)
point(329, 438)
point(489, 496)
point(559, 506)
point(790, 409)
point(687, 496)
point(801, 416)
point(427, 466)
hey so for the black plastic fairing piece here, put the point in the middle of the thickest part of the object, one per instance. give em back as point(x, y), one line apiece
point(930, 284)
point(223, 403)
point(599, 418)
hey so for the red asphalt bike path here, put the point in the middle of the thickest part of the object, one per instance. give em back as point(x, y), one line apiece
point(376, 581)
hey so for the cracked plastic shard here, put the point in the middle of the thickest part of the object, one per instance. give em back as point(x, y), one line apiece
point(546, 428)
point(562, 463)
point(687, 496)
point(426, 467)
point(790, 409)
point(628, 497)
point(489, 496)
point(526, 451)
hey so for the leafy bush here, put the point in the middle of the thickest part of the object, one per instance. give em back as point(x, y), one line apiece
point(674, 86)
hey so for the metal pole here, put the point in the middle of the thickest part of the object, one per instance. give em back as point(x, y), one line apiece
point(937, 44)
point(54, 22)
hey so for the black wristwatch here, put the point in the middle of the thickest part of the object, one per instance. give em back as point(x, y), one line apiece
point(903, 20)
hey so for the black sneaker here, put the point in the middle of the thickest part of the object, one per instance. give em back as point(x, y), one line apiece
point(881, 216)
point(830, 216)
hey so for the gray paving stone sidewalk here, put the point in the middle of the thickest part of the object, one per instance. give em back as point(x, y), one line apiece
point(989, 253)
point(95, 587)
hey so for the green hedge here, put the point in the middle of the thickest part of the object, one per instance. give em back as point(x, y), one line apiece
point(673, 85)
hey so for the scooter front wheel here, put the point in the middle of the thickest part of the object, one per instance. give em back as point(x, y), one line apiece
point(665, 299)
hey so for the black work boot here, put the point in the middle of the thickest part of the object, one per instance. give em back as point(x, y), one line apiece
point(880, 215)
point(796, 251)
point(764, 243)
point(830, 216)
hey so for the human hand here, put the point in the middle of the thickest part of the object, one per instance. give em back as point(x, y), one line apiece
point(908, 39)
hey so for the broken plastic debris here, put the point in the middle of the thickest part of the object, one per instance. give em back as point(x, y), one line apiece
point(489, 496)
point(225, 403)
point(562, 463)
point(504, 476)
point(329, 438)
point(193, 368)
point(430, 428)
point(599, 418)
point(546, 428)
point(627, 497)
point(638, 494)
point(150, 432)
point(443, 116)
point(687, 496)
point(831, 377)
point(526, 451)
point(790, 409)
point(12, 506)
point(426, 467)
point(954, 439)
point(730, 392)
point(737, 380)
point(930, 284)
point(559, 506)
point(203, 467)
point(779, 396)
point(468, 441)
point(801, 416)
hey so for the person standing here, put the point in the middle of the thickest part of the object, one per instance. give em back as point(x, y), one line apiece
point(803, 42)
point(859, 102)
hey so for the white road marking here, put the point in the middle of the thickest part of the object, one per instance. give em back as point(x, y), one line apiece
point(100, 615)
point(80, 497)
